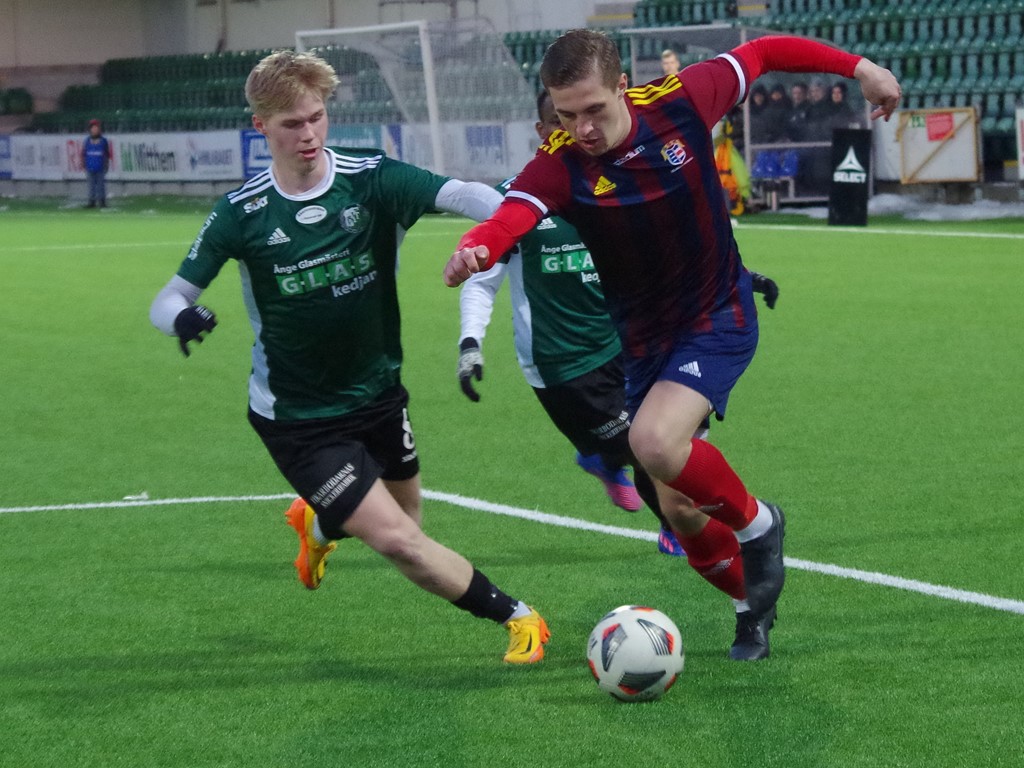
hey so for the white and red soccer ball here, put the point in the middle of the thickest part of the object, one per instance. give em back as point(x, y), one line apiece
point(635, 653)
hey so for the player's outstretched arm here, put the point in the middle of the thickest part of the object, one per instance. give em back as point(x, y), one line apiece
point(880, 88)
point(785, 53)
point(485, 243)
point(175, 312)
point(471, 366)
point(476, 305)
point(471, 199)
point(464, 263)
point(190, 325)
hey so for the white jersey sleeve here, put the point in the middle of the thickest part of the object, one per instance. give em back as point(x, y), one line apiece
point(177, 295)
point(468, 198)
point(476, 301)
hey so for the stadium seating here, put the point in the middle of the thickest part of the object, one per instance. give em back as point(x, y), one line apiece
point(15, 101)
point(945, 54)
point(159, 93)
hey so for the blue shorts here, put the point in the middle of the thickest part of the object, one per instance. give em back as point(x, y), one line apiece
point(708, 363)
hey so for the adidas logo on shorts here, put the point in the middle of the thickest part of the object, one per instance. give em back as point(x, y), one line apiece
point(691, 368)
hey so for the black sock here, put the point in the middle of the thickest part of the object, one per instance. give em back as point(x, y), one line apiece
point(486, 601)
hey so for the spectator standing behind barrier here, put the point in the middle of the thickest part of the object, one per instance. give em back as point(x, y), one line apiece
point(842, 114)
point(96, 156)
point(815, 163)
point(796, 123)
point(819, 113)
point(761, 130)
point(775, 116)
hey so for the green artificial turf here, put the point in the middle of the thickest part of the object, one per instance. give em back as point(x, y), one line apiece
point(882, 412)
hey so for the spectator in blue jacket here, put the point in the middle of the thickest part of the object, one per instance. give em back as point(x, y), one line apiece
point(96, 156)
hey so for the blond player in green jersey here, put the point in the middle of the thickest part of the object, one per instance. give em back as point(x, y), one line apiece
point(316, 239)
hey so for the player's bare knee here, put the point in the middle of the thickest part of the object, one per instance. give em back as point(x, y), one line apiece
point(663, 455)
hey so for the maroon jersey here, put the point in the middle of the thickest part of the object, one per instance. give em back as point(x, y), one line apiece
point(652, 211)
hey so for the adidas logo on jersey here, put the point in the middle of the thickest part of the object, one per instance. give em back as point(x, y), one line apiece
point(603, 187)
point(277, 237)
point(546, 224)
point(691, 368)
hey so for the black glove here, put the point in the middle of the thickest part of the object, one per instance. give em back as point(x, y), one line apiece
point(471, 365)
point(767, 286)
point(191, 323)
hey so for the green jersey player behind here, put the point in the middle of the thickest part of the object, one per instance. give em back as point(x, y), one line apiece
point(315, 238)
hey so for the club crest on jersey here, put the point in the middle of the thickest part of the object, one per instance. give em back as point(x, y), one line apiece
point(674, 152)
point(355, 219)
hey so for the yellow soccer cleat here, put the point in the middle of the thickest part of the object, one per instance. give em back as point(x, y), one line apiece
point(312, 557)
point(526, 638)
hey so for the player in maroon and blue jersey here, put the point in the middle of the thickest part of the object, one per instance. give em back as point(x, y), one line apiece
point(634, 172)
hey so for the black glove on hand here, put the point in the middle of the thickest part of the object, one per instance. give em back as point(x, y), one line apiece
point(767, 286)
point(471, 365)
point(191, 323)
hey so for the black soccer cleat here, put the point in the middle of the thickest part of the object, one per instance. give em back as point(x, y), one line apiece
point(751, 643)
point(763, 569)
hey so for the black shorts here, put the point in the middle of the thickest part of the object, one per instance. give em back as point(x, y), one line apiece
point(333, 462)
point(590, 410)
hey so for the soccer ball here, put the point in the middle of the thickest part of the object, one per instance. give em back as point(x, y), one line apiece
point(635, 653)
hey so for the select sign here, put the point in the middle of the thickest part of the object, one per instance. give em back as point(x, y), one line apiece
point(850, 171)
point(848, 191)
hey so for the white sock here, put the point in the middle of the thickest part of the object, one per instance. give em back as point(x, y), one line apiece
point(741, 606)
point(318, 534)
point(759, 526)
point(522, 609)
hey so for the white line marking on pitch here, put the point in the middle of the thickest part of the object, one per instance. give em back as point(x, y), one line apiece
point(870, 231)
point(479, 505)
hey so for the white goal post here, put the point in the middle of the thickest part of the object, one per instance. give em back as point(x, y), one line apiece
point(444, 95)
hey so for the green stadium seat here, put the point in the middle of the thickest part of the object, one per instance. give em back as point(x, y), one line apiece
point(1005, 125)
point(914, 100)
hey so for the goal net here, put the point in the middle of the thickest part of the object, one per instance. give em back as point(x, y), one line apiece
point(443, 95)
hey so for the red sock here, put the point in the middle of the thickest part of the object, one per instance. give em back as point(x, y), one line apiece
point(708, 479)
point(714, 554)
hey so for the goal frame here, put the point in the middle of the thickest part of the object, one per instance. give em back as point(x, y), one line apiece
point(429, 78)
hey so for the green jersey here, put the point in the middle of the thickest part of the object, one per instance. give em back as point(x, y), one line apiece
point(318, 277)
point(561, 326)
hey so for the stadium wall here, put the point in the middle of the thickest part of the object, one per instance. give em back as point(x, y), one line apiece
point(203, 163)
